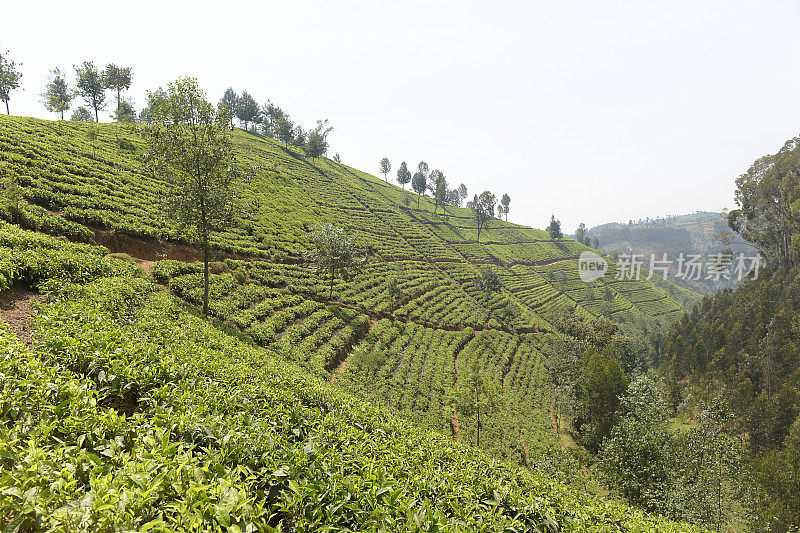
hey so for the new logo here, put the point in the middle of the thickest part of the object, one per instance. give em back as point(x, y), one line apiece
point(591, 266)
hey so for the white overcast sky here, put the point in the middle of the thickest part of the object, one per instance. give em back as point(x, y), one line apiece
point(594, 111)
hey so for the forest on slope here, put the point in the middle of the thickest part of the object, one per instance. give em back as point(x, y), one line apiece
point(701, 233)
point(742, 344)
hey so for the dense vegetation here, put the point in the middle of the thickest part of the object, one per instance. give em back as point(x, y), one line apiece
point(131, 410)
point(742, 344)
point(431, 318)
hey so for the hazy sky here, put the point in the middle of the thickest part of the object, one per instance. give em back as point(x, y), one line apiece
point(594, 111)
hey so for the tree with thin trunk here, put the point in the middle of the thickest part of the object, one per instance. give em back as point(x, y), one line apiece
point(336, 252)
point(554, 229)
point(57, 96)
point(505, 201)
point(482, 207)
point(438, 187)
point(419, 183)
point(422, 167)
point(386, 166)
point(247, 109)
point(317, 144)
point(403, 175)
point(285, 130)
point(228, 103)
point(9, 78)
point(117, 79)
point(478, 397)
point(90, 87)
point(189, 142)
point(462, 193)
point(580, 233)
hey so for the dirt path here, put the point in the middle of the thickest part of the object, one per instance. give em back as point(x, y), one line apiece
point(454, 424)
point(526, 458)
point(17, 309)
point(565, 438)
point(340, 361)
point(146, 265)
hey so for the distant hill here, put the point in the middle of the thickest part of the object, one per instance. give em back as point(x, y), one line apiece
point(703, 232)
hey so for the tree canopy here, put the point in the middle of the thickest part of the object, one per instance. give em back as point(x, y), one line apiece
point(90, 87)
point(403, 174)
point(482, 207)
point(554, 229)
point(228, 103)
point(247, 109)
point(9, 78)
point(385, 167)
point(189, 143)
point(335, 252)
point(117, 79)
point(317, 143)
point(57, 96)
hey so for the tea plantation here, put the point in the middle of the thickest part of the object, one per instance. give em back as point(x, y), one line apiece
point(287, 410)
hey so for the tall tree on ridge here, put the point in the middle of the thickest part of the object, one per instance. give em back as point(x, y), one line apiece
point(318, 139)
point(117, 79)
point(423, 168)
point(554, 229)
point(403, 175)
point(386, 166)
point(419, 183)
point(580, 233)
point(90, 87)
point(247, 109)
point(482, 206)
point(9, 78)
point(505, 201)
point(57, 96)
point(271, 114)
point(438, 187)
point(228, 103)
point(462, 192)
point(300, 137)
point(285, 129)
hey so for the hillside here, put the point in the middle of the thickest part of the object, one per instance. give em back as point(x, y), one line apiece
point(703, 233)
point(239, 407)
point(99, 184)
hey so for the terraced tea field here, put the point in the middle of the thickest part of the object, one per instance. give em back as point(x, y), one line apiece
point(131, 411)
point(253, 395)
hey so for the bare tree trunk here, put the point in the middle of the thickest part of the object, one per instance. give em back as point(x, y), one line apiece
point(7, 111)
